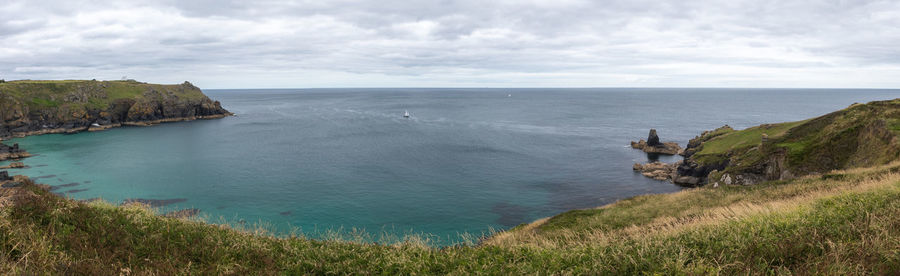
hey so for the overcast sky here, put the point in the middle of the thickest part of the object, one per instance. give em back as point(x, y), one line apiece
point(512, 43)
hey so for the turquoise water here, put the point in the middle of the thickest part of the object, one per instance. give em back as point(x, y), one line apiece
point(467, 161)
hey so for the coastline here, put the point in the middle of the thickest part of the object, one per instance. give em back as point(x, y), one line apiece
point(113, 125)
point(727, 229)
point(17, 157)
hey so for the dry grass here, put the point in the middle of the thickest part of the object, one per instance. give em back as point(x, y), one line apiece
point(844, 222)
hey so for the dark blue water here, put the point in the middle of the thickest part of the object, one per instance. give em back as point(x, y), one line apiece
point(468, 160)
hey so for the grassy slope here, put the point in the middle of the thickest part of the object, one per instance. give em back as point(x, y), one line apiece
point(45, 93)
point(842, 222)
point(741, 143)
point(843, 139)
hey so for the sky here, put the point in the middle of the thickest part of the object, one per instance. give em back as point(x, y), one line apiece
point(503, 43)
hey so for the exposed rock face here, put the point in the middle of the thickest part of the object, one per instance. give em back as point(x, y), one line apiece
point(656, 170)
point(736, 179)
point(692, 173)
point(4, 176)
point(652, 145)
point(14, 165)
point(94, 105)
point(653, 139)
point(13, 152)
point(862, 135)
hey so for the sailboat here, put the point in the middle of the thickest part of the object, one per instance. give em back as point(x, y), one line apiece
point(406, 114)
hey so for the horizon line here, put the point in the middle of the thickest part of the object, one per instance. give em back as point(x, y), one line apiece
point(551, 87)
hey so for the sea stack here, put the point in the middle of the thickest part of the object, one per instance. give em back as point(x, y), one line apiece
point(652, 145)
point(653, 139)
point(12, 153)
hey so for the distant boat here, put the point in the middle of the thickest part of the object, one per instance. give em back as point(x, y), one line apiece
point(95, 125)
point(406, 114)
point(509, 95)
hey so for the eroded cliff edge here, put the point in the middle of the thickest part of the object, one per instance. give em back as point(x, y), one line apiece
point(862, 135)
point(41, 107)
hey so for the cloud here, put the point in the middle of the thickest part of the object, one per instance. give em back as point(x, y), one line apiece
point(221, 44)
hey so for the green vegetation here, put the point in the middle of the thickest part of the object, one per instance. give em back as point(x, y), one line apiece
point(837, 222)
point(861, 135)
point(844, 222)
point(90, 94)
point(745, 138)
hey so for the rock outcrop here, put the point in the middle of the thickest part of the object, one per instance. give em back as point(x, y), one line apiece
point(656, 170)
point(13, 165)
point(862, 135)
point(652, 145)
point(30, 107)
point(12, 152)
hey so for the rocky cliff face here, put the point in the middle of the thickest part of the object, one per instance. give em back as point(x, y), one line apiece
point(38, 107)
point(861, 135)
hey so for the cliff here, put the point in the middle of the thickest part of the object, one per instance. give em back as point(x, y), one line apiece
point(40, 107)
point(862, 135)
point(841, 222)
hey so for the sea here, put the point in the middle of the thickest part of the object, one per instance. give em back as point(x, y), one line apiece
point(466, 163)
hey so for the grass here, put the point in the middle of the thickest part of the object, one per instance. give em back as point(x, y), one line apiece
point(844, 222)
point(745, 138)
point(861, 135)
point(42, 94)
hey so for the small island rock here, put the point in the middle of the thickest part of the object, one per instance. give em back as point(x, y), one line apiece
point(14, 165)
point(652, 145)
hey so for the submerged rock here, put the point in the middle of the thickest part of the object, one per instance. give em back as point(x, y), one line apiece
point(153, 202)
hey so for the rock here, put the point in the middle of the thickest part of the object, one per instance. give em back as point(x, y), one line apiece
point(653, 139)
point(652, 145)
point(726, 178)
point(157, 104)
point(4, 176)
point(656, 170)
point(14, 165)
point(786, 175)
point(13, 152)
point(690, 181)
point(12, 184)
